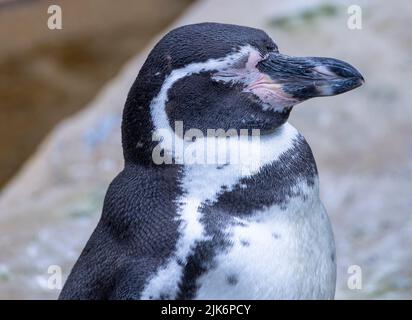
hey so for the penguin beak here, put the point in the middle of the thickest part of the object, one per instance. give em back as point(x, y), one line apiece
point(302, 78)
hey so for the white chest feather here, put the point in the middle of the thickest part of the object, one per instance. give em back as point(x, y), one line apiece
point(276, 254)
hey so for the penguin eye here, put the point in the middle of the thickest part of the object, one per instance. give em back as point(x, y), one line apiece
point(272, 48)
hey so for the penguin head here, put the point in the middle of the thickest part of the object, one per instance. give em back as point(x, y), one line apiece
point(220, 76)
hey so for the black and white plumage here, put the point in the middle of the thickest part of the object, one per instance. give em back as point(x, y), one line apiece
point(253, 230)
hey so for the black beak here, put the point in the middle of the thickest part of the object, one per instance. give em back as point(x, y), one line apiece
point(306, 77)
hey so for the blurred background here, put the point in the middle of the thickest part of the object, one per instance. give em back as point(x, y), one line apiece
point(62, 94)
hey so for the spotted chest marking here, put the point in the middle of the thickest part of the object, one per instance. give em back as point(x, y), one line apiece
point(276, 184)
point(274, 254)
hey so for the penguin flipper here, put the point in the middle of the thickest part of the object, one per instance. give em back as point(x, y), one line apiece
point(131, 278)
point(105, 271)
point(90, 277)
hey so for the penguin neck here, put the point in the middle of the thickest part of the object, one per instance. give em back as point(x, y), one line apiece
point(202, 184)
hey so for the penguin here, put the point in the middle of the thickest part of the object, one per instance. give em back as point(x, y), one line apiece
point(174, 227)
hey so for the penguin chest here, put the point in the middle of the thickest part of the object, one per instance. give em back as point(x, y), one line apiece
point(278, 253)
point(251, 232)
